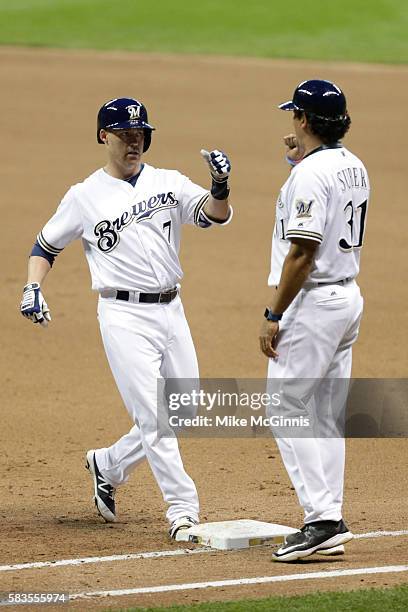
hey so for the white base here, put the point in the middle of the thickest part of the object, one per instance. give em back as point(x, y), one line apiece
point(230, 535)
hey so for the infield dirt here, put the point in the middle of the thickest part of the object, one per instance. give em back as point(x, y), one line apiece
point(58, 398)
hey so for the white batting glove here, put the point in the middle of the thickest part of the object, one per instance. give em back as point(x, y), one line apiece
point(219, 164)
point(33, 305)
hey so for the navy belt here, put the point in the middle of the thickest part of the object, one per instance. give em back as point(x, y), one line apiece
point(150, 298)
point(342, 281)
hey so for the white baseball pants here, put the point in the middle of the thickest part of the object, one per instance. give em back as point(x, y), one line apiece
point(143, 343)
point(314, 344)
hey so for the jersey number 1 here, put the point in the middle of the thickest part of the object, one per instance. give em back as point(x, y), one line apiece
point(356, 226)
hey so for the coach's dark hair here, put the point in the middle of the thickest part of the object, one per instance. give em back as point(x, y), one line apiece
point(328, 130)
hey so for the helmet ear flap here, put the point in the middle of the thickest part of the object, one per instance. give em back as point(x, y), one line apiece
point(147, 139)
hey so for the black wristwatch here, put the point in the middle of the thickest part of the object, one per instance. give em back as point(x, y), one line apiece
point(271, 316)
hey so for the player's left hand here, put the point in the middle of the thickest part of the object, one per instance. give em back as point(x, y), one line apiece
point(218, 163)
point(268, 337)
point(33, 305)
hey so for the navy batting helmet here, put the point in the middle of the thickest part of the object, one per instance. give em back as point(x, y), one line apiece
point(122, 114)
point(320, 98)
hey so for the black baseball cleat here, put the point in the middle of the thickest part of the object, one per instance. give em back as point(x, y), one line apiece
point(313, 537)
point(104, 493)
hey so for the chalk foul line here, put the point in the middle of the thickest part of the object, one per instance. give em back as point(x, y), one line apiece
point(242, 581)
point(84, 560)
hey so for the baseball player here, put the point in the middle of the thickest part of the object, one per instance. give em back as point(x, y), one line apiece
point(316, 306)
point(129, 217)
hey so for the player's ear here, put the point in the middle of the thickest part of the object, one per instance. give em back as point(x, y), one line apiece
point(303, 121)
point(103, 135)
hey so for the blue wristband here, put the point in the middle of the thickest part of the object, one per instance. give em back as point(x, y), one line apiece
point(292, 162)
point(271, 316)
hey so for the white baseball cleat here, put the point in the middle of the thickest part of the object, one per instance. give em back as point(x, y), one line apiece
point(184, 522)
point(104, 493)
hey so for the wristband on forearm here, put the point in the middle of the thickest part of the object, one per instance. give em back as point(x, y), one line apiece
point(219, 189)
point(293, 162)
point(271, 316)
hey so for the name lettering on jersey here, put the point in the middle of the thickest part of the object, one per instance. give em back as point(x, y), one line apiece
point(352, 177)
point(303, 208)
point(108, 231)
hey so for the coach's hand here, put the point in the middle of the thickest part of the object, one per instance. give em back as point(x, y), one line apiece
point(268, 337)
point(293, 151)
point(33, 305)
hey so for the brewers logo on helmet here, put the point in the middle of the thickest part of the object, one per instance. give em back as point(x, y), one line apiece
point(122, 114)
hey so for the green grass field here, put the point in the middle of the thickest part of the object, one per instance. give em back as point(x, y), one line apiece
point(365, 600)
point(353, 30)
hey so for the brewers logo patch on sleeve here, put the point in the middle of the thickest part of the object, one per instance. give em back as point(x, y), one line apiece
point(304, 208)
point(307, 215)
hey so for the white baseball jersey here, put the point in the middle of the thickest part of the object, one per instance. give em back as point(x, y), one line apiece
point(325, 199)
point(131, 234)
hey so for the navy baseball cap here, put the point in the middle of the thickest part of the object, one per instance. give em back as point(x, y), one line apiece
point(318, 97)
point(122, 114)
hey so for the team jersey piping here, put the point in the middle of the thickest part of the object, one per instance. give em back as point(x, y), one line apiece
point(200, 204)
point(46, 246)
point(304, 234)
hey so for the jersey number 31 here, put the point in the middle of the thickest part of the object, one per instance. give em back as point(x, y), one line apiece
point(356, 220)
